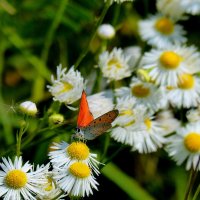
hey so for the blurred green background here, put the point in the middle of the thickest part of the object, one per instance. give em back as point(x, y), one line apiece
point(36, 36)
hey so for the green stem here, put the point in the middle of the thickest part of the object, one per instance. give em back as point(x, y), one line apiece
point(100, 20)
point(52, 29)
point(192, 178)
point(19, 140)
point(116, 14)
point(106, 145)
point(112, 156)
point(196, 193)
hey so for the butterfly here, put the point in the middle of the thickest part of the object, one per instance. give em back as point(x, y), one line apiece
point(89, 128)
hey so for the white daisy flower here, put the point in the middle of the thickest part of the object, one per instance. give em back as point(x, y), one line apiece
point(63, 154)
point(100, 103)
point(166, 120)
point(19, 181)
point(76, 179)
point(191, 6)
point(165, 66)
point(170, 8)
point(128, 122)
point(134, 52)
point(114, 65)
point(193, 115)
point(187, 94)
point(150, 138)
point(185, 146)
point(106, 31)
point(50, 191)
point(68, 86)
point(160, 31)
point(145, 93)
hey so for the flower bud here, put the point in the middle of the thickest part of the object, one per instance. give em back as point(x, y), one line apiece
point(28, 108)
point(106, 31)
point(56, 118)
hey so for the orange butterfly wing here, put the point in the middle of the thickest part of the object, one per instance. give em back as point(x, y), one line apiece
point(84, 115)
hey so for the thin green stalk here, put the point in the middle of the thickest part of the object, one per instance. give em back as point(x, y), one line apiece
point(52, 29)
point(100, 20)
point(196, 193)
point(26, 141)
point(19, 140)
point(116, 14)
point(192, 178)
point(105, 148)
point(112, 156)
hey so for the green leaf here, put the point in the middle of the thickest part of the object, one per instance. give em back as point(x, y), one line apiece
point(125, 182)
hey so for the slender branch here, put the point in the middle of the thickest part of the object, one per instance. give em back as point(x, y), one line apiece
point(192, 178)
point(52, 29)
point(19, 140)
point(85, 51)
point(196, 193)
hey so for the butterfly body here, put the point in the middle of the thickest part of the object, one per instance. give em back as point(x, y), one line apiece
point(89, 128)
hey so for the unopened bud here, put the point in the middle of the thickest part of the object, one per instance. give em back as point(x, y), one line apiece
point(28, 108)
point(106, 31)
point(56, 118)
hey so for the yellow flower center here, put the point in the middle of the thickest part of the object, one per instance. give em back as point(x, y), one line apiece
point(192, 142)
point(170, 60)
point(78, 150)
point(140, 91)
point(49, 185)
point(80, 170)
point(16, 179)
point(164, 26)
point(114, 62)
point(186, 81)
point(66, 87)
point(129, 123)
point(126, 112)
point(170, 87)
point(143, 75)
point(147, 122)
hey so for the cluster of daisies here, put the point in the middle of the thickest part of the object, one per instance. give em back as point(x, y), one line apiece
point(164, 79)
point(71, 172)
point(161, 80)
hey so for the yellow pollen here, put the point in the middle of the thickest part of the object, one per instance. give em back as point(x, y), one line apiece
point(16, 179)
point(126, 112)
point(80, 170)
point(129, 123)
point(114, 62)
point(192, 142)
point(66, 87)
point(170, 87)
point(140, 91)
point(143, 75)
point(186, 81)
point(49, 185)
point(170, 60)
point(78, 150)
point(147, 122)
point(164, 26)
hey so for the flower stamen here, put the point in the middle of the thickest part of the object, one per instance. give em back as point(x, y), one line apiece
point(140, 91)
point(164, 26)
point(78, 150)
point(16, 179)
point(192, 142)
point(80, 170)
point(186, 81)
